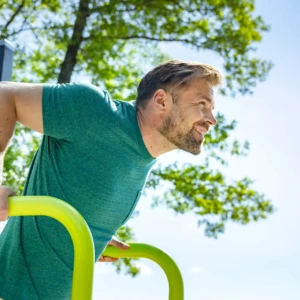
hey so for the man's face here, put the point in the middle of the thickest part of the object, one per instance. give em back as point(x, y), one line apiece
point(190, 118)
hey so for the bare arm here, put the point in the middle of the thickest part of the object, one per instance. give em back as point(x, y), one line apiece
point(5, 192)
point(1, 166)
point(20, 102)
point(7, 117)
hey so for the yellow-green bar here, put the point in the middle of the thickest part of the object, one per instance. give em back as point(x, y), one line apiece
point(170, 268)
point(84, 256)
point(84, 247)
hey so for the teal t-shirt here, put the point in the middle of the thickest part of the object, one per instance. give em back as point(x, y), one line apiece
point(92, 156)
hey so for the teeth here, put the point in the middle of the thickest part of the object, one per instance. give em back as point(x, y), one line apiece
point(198, 131)
point(201, 132)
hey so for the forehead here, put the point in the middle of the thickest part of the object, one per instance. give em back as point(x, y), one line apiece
point(201, 89)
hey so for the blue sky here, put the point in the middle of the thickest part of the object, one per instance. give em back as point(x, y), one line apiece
point(259, 261)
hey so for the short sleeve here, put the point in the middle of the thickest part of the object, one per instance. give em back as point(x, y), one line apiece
point(70, 109)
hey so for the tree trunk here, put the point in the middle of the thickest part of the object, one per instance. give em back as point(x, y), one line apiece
point(69, 62)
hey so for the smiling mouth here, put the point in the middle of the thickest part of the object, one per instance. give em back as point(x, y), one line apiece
point(199, 131)
point(204, 129)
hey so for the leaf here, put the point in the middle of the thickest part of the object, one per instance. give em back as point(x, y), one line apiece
point(119, 42)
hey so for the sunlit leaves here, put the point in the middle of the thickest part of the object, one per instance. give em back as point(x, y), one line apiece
point(18, 158)
point(206, 193)
point(217, 142)
point(120, 41)
point(230, 28)
point(126, 265)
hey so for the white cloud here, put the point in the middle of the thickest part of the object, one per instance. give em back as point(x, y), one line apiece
point(197, 270)
point(101, 268)
point(145, 270)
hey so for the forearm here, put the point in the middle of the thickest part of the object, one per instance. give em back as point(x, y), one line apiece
point(7, 120)
point(5, 192)
point(1, 166)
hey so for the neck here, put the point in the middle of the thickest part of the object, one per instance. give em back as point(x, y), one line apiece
point(155, 143)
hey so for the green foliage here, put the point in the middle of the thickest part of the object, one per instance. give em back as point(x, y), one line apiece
point(18, 158)
point(217, 143)
point(119, 41)
point(204, 191)
point(126, 265)
point(230, 28)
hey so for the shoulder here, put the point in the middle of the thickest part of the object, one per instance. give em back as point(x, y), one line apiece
point(74, 90)
point(125, 109)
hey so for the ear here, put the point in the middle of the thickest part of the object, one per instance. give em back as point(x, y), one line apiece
point(162, 100)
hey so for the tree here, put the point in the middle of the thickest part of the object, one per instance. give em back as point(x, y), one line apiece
point(107, 41)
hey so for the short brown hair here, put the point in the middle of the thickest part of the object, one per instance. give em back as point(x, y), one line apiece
point(173, 75)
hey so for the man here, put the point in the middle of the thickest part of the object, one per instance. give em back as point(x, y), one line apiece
point(96, 154)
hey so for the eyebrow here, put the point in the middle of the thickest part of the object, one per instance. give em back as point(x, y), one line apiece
point(204, 97)
point(208, 99)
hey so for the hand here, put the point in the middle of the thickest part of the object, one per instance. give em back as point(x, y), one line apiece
point(5, 192)
point(116, 243)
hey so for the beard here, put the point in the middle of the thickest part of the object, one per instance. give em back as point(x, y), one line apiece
point(178, 132)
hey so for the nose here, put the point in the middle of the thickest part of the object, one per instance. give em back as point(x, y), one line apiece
point(210, 118)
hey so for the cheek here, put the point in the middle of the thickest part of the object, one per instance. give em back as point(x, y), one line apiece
point(193, 116)
point(186, 117)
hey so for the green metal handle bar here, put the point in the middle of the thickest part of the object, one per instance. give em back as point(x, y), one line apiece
point(84, 254)
point(160, 257)
point(84, 247)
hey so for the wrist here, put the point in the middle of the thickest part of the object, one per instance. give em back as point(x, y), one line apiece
point(6, 191)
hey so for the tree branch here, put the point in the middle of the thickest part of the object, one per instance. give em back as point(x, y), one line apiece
point(139, 6)
point(26, 29)
point(14, 15)
point(69, 62)
point(138, 37)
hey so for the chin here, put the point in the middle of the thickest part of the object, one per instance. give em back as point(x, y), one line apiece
point(195, 151)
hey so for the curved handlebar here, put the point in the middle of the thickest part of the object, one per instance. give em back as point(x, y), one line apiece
point(78, 229)
point(84, 257)
point(160, 257)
